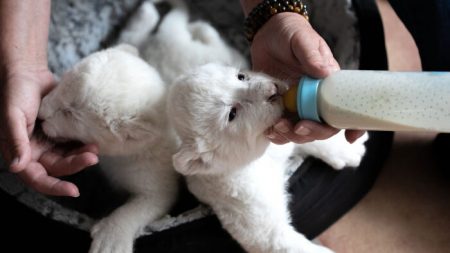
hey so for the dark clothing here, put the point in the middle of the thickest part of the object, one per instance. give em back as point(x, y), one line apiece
point(429, 24)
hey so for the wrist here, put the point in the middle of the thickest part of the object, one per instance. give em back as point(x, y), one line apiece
point(33, 76)
point(21, 67)
point(23, 55)
point(266, 10)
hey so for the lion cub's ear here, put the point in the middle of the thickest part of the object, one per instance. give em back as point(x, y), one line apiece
point(136, 131)
point(190, 160)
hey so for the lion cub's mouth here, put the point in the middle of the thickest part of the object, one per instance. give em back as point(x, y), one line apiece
point(276, 95)
point(274, 98)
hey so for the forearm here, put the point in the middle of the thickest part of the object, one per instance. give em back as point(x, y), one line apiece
point(24, 26)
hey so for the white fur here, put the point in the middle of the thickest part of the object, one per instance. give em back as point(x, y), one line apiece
point(115, 99)
point(231, 166)
point(178, 45)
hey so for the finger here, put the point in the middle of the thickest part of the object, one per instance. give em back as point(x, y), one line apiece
point(314, 130)
point(282, 126)
point(90, 148)
point(293, 137)
point(353, 135)
point(276, 138)
point(58, 165)
point(74, 147)
point(35, 176)
point(314, 54)
point(16, 145)
point(320, 62)
point(329, 62)
point(283, 131)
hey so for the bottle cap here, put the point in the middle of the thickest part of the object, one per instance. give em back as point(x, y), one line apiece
point(307, 98)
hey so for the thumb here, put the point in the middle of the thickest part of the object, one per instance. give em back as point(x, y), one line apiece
point(17, 143)
point(314, 55)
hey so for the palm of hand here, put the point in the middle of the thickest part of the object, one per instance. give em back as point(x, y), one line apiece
point(37, 162)
point(49, 162)
point(21, 96)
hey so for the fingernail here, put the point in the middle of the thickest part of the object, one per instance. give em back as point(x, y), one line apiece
point(282, 127)
point(76, 193)
point(303, 131)
point(334, 68)
point(271, 136)
point(15, 161)
point(93, 162)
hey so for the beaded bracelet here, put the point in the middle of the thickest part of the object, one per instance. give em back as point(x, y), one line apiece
point(266, 9)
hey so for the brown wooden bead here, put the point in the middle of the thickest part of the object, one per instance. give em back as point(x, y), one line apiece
point(266, 9)
point(273, 11)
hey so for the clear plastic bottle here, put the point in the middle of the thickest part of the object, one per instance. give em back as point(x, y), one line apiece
point(375, 100)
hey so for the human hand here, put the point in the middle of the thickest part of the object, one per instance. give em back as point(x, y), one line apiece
point(287, 47)
point(37, 163)
point(305, 131)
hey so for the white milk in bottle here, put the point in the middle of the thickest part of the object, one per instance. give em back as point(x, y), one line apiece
point(375, 100)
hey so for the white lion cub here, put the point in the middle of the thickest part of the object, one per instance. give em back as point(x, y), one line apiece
point(115, 99)
point(220, 116)
point(178, 45)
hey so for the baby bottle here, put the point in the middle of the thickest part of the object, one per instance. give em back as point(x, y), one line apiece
point(375, 100)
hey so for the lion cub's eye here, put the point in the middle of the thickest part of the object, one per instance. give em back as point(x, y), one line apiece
point(241, 76)
point(232, 114)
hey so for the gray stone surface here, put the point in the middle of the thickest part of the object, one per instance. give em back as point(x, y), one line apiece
point(80, 27)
